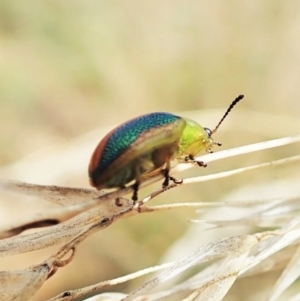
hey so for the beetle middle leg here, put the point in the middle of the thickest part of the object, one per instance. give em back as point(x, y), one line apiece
point(163, 156)
point(168, 177)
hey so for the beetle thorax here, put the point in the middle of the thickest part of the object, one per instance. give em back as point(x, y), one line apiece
point(194, 139)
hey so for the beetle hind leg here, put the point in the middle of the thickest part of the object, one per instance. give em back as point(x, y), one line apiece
point(135, 187)
point(137, 183)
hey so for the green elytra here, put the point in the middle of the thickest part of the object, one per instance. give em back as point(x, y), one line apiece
point(146, 145)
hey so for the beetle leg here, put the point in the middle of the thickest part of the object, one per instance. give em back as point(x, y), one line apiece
point(166, 174)
point(175, 181)
point(135, 191)
point(168, 177)
point(191, 159)
point(137, 183)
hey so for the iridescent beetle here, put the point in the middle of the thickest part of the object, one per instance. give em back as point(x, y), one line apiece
point(146, 144)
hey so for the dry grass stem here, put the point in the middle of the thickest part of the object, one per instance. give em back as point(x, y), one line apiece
point(83, 212)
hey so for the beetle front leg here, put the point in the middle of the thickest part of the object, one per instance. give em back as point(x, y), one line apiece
point(191, 159)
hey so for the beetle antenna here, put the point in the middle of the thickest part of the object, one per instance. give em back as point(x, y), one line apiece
point(240, 97)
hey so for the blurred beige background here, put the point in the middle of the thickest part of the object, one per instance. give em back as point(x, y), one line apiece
point(71, 70)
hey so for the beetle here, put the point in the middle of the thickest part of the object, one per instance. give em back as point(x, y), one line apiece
point(146, 145)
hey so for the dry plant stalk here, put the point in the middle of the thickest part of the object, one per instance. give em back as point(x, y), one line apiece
point(85, 211)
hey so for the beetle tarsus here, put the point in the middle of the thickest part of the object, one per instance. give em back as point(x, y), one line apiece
point(168, 178)
point(175, 181)
point(191, 159)
point(200, 163)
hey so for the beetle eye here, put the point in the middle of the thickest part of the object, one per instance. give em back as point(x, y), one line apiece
point(208, 131)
